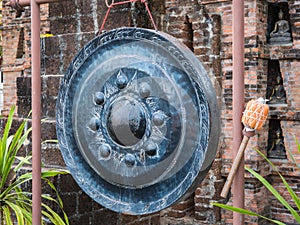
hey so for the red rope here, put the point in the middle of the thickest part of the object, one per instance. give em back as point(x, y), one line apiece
point(113, 3)
point(149, 13)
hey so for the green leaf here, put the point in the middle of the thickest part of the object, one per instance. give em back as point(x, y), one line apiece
point(14, 201)
point(5, 156)
point(27, 215)
point(245, 212)
point(47, 215)
point(8, 143)
point(54, 200)
point(50, 141)
point(275, 193)
point(21, 205)
point(23, 160)
point(4, 138)
point(16, 139)
point(57, 220)
point(7, 215)
point(7, 127)
point(6, 170)
point(18, 212)
point(23, 138)
point(298, 144)
point(290, 190)
point(53, 173)
point(59, 200)
point(20, 180)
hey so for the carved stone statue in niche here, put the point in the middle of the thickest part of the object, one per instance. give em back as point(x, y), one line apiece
point(278, 94)
point(276, 148)
point(281, 32)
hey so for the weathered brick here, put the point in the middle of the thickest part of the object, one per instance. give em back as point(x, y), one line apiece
point(206, 28)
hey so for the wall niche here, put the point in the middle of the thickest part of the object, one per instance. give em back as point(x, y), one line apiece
point(276, 93)
point(279, 25)
point(276, 147)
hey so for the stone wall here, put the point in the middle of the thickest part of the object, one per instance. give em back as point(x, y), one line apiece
point(206, 28)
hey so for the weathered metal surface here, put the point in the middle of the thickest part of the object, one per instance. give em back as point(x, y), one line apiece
point(137, 120)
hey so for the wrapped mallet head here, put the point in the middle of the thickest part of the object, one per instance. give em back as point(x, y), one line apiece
point(254, 117)
point(255, 114)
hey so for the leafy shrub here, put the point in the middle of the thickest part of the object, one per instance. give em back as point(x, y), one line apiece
point(16, 204)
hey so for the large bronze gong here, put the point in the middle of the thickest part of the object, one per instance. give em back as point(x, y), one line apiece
point(137, 120)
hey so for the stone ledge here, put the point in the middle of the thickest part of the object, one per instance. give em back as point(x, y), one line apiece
point(281, 52)
point(284, 112)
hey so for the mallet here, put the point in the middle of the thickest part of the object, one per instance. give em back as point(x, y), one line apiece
point(253, 118)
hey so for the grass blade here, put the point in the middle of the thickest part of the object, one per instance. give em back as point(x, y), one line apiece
point(18, 212)
point(5, 137)
point(290, 190)
point(245, 212)
point(7, 215)
point(22, 161)
point(297, 143)
point(275, 193)
point(57, 220)
point(52, 173)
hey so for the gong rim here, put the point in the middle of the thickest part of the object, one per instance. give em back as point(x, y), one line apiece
point(131, 188)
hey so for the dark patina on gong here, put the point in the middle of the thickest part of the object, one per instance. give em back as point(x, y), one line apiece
point(137, 120)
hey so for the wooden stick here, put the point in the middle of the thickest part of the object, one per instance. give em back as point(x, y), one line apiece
point(235, 166)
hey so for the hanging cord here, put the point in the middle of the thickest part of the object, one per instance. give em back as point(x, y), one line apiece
point(110, 6)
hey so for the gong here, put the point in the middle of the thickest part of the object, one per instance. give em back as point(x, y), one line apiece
point(137, 120)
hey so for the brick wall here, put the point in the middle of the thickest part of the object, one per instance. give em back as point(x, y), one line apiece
point(206, 28)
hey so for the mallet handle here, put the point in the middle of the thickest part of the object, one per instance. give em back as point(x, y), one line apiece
point(235, 166)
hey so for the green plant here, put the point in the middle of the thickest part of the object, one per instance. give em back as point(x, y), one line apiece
point(15, 203)
point(292, 194)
